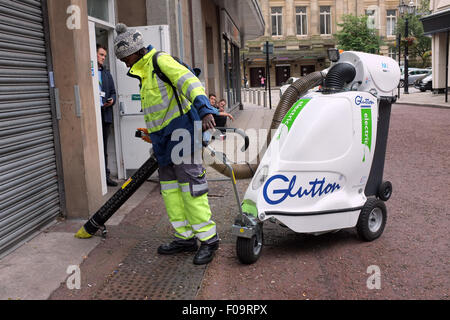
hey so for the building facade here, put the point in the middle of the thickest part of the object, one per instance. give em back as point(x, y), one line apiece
point(51, 144)
point(302, 31)
point(437, 24)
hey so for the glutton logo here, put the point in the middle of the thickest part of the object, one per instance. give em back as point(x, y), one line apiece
point(361, 101)
point(314, 188)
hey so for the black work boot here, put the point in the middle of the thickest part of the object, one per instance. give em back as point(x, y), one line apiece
point(110, 182)
point(178, 246)
point(206, 253)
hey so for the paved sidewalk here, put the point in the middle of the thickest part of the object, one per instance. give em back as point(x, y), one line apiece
point(37, 268)
point(427, 98)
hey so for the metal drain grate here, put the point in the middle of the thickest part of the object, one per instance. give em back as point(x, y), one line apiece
point(144, 274)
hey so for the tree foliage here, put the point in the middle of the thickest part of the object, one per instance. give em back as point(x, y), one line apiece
point(356, 35)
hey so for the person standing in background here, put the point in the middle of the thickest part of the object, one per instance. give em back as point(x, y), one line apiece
point(107, 101)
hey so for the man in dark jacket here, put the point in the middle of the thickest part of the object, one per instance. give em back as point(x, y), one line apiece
point(107, 101)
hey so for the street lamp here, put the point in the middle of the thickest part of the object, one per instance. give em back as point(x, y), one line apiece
point(406, 10)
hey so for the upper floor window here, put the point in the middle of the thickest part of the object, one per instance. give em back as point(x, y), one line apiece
point(370, 13)
point(391, 16)
point(325, 20)
point(302, 23)
point(277, 21)
point(392, 53)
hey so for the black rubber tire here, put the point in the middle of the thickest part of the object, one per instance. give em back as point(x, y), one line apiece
point(247, 250)
point(402, 83)
point(423, 90)
point(363, 227)
point(385, 190)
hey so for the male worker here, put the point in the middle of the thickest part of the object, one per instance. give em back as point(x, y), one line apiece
point(107, 101)
point(184, 187)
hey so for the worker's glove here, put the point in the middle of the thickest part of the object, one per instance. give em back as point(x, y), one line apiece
point(208, 122)
point(145, 135)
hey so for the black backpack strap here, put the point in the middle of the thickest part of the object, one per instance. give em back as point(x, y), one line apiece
point(163, 77)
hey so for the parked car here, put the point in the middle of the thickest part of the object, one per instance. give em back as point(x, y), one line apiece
point(425, 83)
point(414, 75)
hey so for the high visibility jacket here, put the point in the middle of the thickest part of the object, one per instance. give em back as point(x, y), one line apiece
point(161, 111)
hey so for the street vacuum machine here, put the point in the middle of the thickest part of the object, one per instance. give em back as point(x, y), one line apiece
point(323, 169)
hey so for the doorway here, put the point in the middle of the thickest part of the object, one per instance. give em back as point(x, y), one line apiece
point(255, 76)
point(102, 34)
point(307, 69)
point(282, 74)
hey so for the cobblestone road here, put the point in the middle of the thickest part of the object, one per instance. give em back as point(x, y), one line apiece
point(412, 254)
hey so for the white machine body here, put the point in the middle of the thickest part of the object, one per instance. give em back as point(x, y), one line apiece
point(313, 176)
point(376, 74)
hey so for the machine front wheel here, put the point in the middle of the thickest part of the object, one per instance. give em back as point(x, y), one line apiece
point(249, 250)
point(372, 220)
point(385, 191)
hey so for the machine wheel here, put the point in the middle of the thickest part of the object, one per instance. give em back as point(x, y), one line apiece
point(249, 250)
point(385, 190)
point(372, 220)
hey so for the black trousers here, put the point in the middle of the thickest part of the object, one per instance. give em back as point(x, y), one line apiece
point(106, 131)
point(221, 121)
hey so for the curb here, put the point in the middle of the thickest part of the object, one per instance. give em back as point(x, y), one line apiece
point(428, 105)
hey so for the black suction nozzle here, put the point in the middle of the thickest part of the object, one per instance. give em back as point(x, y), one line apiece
point(338, 76)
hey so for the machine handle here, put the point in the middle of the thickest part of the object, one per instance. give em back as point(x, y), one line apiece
point(239, 132)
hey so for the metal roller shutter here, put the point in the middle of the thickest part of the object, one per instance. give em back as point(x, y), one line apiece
point(29, 190)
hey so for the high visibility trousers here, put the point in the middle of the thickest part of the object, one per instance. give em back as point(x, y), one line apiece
point(184, 189)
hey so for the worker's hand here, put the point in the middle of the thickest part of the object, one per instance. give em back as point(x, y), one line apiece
point(108, 103)
point(208, 122)
point(146, 135)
